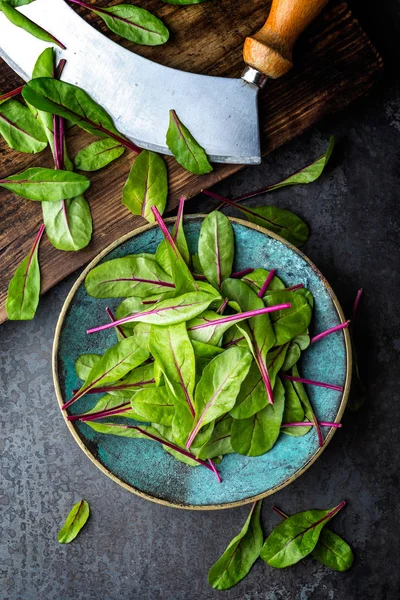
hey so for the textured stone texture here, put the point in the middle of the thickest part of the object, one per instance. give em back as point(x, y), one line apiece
point(132, 548)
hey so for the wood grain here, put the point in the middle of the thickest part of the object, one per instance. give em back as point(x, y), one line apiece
point(335, 63)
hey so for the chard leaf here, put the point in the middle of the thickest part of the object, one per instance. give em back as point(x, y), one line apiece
point(257, 278)
point(178, 235)
point(208, 335)
point(181, 275)
point(84, 364)
point(296, 537)
point(186, 150)
point(73, 103)
point(24, 288)
point(240, 555)
point(307, 407)
point(137, 276)
point(20, 129)
point(46, 185)
point(68, 223)
point(174, 354)
point(98, 155)
point(219, 443)
point(217, 390)
point(168, 312)
point(113, 365)
point(252, 396)
point(153, 404)
point(332, 551)
point(75, 521)
point(258, 331)
point(134, 24)
point(257, 435)
point(20, 20)
point(202, 350)
point(147, 185)
point(292, 321)
point(280, 221)
point(44, 67)
point(306, 175)
point(216, 248)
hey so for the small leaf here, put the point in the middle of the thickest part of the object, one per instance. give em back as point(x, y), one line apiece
point(84, 363)
point(24, 289)
point(147, 185)
point(68, 223)
point(75, 521)
point(46, 185)
point(20, 20)
point(332, 551)
point(296, 537)
point(283, 222)
point(44, 67)
point(185, 148)
point(98, 155)
point(20, 129)
point(216, 248)
point(240, 555)
point(290, 322)
point(134, 24)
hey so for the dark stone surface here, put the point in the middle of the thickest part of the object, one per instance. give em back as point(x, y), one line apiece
point(132, 548)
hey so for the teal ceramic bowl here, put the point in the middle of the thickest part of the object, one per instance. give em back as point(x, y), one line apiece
point(142, 466)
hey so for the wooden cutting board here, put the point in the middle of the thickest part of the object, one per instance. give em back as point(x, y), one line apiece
point(335, 63)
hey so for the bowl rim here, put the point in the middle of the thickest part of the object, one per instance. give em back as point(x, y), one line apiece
point(131, 488)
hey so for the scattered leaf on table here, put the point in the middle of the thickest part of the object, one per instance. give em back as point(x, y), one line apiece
point(75, 521)
point(240, 555)
point(46, 185)
point(20, 129)
point(98, 155)
point(186, 150)
point(20, 20)
point(147, 185)
point(24, 288)
point(134, 24)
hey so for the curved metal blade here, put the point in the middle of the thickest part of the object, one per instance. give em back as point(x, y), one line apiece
point(138, 93)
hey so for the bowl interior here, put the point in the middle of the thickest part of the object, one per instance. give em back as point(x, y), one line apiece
point(143, 466)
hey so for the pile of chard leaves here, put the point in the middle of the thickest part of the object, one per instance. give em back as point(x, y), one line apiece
point(52, 105)
point(206, 359)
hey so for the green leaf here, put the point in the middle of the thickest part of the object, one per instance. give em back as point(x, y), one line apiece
point(24, 288)
point(84, 363)
point(219, 443)
point(110, 401)
point(240, 555)
point(217, 390)
point(20, 129)
point(72, 103)
point(252, 396)
point(257, 278)
point(208, 335)
point(134, 24)
point(308, 174)
point(290, 322)
point(296, 537)
point(257, 435)
point(68, 223)
point(116, 362)
point(202, 350)
point(294, 411)
point(173, 352)
point(44, 67)
point(75, 521)
point(216, 248)
point(46, 185)
point(280, 221)
point(184, 147)
point(147, 185)
point(98, 155)
point(20, 20)
point(137, 276)
point(153, 404)
point(332, 551)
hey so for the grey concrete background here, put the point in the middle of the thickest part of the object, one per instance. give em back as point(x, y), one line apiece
point(132, 548)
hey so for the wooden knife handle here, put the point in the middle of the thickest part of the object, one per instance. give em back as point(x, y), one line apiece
point(269, 51)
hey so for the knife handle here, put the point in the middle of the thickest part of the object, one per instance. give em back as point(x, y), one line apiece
point(269, 51)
